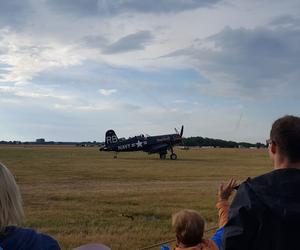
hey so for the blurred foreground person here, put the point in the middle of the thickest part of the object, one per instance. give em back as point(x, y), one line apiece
point(265, 214)
point(92, 247)
point(189, 225)
point(13, 237)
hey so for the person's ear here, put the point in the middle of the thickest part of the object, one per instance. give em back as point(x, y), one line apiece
point(273, 148)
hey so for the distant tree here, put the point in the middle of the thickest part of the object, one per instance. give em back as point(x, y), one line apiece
point(199, 141)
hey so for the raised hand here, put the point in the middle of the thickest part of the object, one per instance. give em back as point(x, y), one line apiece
point(225, 191)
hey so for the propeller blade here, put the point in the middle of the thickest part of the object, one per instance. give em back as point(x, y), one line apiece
point(181, 131)
point(176, 130)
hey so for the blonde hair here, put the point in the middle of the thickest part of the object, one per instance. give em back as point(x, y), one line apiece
point(188, 226)
point(11, 209)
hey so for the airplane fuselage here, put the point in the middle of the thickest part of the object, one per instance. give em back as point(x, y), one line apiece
point(151, 144)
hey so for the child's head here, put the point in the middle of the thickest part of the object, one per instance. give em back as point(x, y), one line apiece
point(188, 226)
point(11, 209)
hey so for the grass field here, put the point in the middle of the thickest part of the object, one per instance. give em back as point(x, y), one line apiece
point(81, 195)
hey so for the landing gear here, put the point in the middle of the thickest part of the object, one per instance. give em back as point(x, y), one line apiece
point(173, 156)
point(162, 156)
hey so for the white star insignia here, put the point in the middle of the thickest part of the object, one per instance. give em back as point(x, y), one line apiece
point(139, 144)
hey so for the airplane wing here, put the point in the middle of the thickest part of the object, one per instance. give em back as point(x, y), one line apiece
point(157, 148)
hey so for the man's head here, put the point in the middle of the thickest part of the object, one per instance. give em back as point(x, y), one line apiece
point(188, 226)
point(285, 139)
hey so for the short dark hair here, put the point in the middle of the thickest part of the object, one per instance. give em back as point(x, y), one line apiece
point(188, 226)
point(285, 133)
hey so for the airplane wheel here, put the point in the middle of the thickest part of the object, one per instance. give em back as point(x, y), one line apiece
point(173, 156)
point(162, 156)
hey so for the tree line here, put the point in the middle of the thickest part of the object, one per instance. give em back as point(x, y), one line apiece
point(199, 141)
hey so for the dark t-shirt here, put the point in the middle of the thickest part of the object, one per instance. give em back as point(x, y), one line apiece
point(16, 238)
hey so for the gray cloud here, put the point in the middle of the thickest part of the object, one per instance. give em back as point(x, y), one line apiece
point(14, 12)
point(161, 6)
point(80, 7)
point(286, 21)
point(94, 41)
point(108, 7)
point(19, 14)
point(131, 42)
point(136, 41)
point(250, 62)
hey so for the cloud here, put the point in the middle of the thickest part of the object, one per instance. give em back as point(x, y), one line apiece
point(107, 92)
point(6, 89)
point(286, 21)
point(97, 106)
point(108, 7)
point(136, 41)
point(33, 92)
point(80, 7)
point(162, 6)
point(132, 42)
point(179, 101)
point(254, 63)
point(14, 12)
point(94, 41)
point(42, 95)
point(24, 58)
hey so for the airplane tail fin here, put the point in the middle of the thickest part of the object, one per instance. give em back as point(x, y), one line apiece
point(110, 137)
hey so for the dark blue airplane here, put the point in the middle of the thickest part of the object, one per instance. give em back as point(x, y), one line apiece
point(151, 144)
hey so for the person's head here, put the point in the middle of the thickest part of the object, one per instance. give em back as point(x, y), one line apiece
point(188, 226)
point(11, 209)
point(285, 139)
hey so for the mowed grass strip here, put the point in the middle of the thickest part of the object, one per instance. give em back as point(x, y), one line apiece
point(81, 195)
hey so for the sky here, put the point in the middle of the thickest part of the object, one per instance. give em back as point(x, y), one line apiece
point(72, 69)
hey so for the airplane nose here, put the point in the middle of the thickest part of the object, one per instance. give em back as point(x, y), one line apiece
point(177, 138)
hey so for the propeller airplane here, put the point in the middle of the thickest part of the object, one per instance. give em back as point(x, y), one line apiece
point(159, 144)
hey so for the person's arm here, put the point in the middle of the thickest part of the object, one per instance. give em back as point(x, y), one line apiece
point(224, 192)
point(223, 208)
point(242, 225)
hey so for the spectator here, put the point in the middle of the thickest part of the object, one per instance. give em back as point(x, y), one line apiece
point(13, 237)
point(92, 246)
point(189, 225)
point(265, 214)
